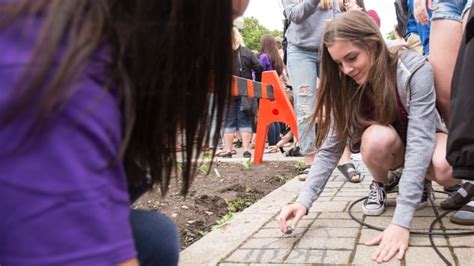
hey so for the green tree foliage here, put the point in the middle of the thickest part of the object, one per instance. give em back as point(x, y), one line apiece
point(390, 36)
point(253, 31)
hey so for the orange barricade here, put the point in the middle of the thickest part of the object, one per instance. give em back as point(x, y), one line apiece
point(274, 106)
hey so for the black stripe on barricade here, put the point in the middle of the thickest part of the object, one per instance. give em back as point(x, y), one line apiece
point(242, 86)
point(257, 90)
point(270, 94)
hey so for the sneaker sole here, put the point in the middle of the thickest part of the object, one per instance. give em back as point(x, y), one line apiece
point(421, 205)
point(376, 212)
point(453, 206)
point(461, 221)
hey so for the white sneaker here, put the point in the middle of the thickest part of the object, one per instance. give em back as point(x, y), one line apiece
point(374, 205)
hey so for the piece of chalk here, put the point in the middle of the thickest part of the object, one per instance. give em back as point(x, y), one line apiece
point(289, 230)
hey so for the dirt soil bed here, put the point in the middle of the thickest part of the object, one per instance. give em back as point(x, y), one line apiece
point(213, 199)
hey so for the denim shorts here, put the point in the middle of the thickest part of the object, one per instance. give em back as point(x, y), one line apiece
point(450, 9)
point(235, 120)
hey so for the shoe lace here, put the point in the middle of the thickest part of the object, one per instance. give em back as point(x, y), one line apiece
point(374, 194)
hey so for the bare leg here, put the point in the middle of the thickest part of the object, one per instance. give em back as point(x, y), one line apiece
point(346, 156)
point(285, 139)
point(445, 39)
point(228, 139)
point(381, 150)
point(308, 159)
point(254, 139)
point(246, 138)
point(440, 171)
point(465, 19)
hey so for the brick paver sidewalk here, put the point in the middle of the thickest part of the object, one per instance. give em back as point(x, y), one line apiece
point(327, 235)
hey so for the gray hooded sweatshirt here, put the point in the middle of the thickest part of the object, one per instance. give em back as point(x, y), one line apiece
point(307, 22)
point(416, 90)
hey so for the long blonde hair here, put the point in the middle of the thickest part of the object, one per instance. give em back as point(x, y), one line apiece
point(343, 101)
point(237, 39)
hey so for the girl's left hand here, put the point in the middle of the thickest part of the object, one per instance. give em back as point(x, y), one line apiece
point(394, 238)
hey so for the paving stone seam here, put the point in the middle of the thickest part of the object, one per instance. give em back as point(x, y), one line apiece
point(299, 239)
point(357, 238)
point(271, 219)
point(402, 262)
point(332, 249)
point(444, 230)
point(312, 224)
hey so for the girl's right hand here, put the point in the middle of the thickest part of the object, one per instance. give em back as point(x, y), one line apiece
point(295, 210)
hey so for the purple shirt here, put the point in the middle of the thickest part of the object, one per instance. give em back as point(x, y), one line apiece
point(62, 201)
point(265, 62)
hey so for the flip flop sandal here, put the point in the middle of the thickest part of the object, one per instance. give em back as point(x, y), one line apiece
point(272, 149)
point(348, 170)
point(221, 153)
point(465, 216)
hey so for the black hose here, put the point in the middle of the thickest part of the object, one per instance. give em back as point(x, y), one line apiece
point(432, 241)
point(429, 233)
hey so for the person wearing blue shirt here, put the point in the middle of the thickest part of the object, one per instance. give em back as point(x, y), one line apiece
point(413, 27)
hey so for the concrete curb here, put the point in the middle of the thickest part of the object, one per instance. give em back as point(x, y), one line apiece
point(219, 243)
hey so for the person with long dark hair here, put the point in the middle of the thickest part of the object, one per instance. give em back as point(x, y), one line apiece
point(270, 59)
point(93, 93)
point(269, 56)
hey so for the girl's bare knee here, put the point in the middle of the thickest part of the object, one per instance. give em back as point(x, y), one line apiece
point(377, 141)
